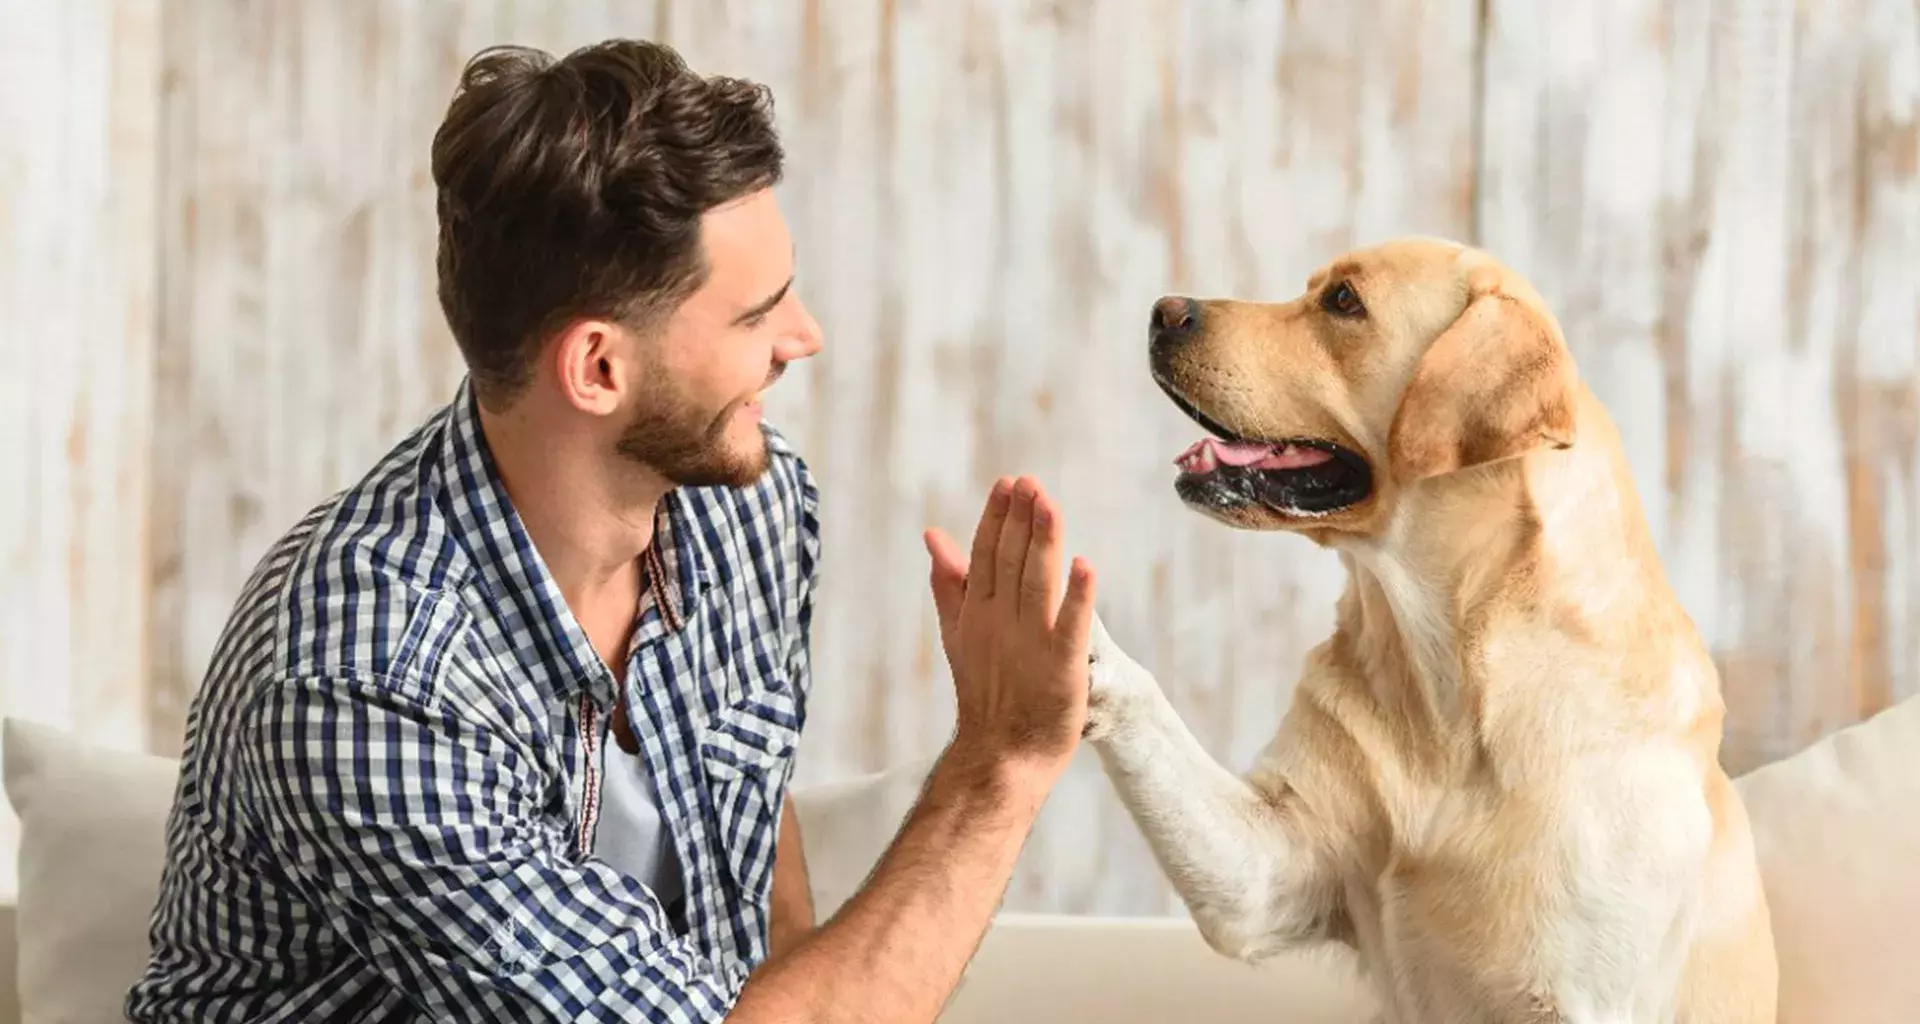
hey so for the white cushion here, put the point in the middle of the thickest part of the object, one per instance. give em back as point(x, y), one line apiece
point(1120, 970)
point(92, 837)
point(1838, 831)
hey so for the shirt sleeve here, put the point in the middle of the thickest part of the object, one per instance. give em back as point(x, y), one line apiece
point(418, 834)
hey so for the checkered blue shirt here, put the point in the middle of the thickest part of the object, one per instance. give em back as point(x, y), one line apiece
point(390, 779)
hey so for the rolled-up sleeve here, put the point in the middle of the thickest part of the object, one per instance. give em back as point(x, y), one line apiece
point(419, 833)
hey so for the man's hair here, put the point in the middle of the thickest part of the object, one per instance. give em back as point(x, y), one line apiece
point(574, 188)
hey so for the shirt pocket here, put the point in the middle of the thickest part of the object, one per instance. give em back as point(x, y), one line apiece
point(747, 752)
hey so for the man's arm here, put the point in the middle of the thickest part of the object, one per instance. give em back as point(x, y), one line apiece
point(792, 896)
point(896, 950)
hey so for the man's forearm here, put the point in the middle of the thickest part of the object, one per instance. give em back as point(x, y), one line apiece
point(896, 950)
point(790, 908)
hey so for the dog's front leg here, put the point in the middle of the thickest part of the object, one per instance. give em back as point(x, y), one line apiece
point(1233, 850)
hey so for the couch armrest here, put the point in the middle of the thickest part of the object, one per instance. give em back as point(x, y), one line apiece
point(9, 966)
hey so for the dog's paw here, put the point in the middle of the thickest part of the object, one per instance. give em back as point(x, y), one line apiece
point(1113, 679)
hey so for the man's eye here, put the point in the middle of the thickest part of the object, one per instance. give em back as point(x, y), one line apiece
point(1342, 300)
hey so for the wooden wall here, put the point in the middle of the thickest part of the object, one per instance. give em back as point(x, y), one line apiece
point(216, 307)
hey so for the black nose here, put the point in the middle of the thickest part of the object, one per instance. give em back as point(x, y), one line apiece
point(1175, 317)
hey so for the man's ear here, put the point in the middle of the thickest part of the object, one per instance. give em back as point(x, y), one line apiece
point(1496, 384)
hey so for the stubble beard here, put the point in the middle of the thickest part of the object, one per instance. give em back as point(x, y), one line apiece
point(690, 447)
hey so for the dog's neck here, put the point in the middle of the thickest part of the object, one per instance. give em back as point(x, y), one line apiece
point(1564, 526)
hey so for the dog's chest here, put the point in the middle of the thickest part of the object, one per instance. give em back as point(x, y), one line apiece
point(1480, 894)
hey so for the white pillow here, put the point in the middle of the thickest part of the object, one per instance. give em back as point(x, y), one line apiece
point(92, 838)
point(1838, 831)
point(1121, 970)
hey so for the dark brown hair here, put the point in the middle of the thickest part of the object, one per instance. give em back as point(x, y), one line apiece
point(574, 188)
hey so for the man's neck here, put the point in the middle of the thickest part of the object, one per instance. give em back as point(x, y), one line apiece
point(589, 521)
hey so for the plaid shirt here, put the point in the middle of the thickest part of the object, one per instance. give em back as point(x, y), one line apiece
point(388, 791)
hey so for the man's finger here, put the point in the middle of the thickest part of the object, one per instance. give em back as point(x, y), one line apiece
point(1040, 579)
point(948, 559)
point(980, 571)
point(949, 582)
point(949, 573)
point(1011, 553)
point(1074, 628)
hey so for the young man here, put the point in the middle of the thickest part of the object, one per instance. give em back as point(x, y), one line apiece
point(503, 733)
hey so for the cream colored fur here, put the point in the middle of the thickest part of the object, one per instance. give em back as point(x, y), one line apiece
point(1498, 781)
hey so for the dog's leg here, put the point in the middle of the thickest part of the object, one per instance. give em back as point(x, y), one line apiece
point(1231, 849)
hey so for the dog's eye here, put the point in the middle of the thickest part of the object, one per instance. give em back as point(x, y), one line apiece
point(1342, 300)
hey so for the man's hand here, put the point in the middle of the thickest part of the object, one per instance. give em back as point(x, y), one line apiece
point(1018, 650)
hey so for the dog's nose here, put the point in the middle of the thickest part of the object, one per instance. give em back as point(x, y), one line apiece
point(1174, 318)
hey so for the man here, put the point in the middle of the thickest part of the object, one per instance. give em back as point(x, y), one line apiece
point(503, 733)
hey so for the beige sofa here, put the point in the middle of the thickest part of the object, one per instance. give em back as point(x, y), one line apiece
point(1838, 827)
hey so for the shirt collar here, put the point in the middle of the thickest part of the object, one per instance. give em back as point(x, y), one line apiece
point(546, 641)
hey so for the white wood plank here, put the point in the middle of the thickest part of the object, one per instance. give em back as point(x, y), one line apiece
point(1719, 199)
point(78, 86)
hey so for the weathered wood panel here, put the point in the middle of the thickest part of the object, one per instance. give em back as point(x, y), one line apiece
point(78, 112)
point(299, 337)
point(1721, 201)
point(223, 288)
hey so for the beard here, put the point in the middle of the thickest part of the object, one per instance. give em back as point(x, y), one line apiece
point(689, 446)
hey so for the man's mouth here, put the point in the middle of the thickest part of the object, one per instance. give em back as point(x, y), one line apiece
point(1300, 476)
point(757, 401)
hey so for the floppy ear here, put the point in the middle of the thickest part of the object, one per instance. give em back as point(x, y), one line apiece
point(1496, 384)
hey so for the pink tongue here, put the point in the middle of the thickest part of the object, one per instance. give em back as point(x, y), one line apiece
point(1239, 454)
point(1209, 451)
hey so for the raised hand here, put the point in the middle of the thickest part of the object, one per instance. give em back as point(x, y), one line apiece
point(1017, 645)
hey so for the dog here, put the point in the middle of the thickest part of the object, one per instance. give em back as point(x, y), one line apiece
point(1498, 782)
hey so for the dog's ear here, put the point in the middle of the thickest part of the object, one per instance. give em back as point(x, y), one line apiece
point(1497, 383)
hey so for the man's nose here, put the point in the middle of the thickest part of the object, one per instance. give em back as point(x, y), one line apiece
point(1175, 319)
point(804, 341)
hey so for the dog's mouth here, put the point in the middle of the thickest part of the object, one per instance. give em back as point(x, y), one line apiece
point(1295, 477)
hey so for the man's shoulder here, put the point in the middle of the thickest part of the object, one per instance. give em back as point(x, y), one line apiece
point(339, 591)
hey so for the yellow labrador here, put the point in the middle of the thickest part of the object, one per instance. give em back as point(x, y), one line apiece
point(1498, 782)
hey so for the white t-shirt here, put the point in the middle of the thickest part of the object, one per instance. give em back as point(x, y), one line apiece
point(629, 836)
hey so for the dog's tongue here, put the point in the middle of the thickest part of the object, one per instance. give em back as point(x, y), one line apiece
point(1211, 451)
point(1239, 453)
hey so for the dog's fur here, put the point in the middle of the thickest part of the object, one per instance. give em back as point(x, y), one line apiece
point(1498, 781)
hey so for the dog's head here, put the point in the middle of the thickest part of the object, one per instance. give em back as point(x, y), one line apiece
point(1400, 363)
